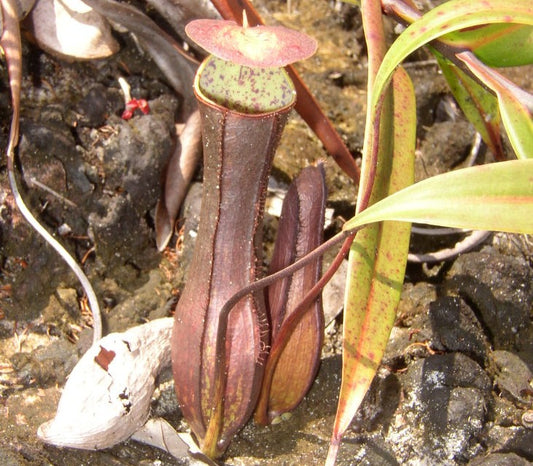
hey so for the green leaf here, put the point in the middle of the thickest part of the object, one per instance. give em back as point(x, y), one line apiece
point(513, 102)
point(518, 123)
point(377, 264)
point(478, 105)
point(448, 17)
point(496, 44)
point(496, 196)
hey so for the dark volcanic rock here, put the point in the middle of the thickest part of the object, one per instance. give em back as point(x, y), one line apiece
point(500, 290)
point(456, 328)
point(447, 397)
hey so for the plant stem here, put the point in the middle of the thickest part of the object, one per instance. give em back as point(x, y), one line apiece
point(220, 375)
point(268, 280)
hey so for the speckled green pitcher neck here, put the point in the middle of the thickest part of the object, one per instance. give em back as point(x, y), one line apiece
point(242, 89)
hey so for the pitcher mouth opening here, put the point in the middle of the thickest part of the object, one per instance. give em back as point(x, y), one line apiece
point(243, 89)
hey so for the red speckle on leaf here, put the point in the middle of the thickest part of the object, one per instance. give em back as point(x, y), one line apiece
point(259, 46)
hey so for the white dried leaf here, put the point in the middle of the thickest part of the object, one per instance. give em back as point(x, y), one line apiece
point(71, 29)
point(160, 434)
point(107, 396)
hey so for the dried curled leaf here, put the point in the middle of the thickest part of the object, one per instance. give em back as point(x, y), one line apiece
point(71, 29)
point(177, 177)
point(107, 396)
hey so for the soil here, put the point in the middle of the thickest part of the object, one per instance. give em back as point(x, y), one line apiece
point(455, 386)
